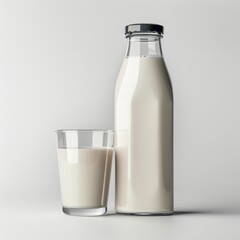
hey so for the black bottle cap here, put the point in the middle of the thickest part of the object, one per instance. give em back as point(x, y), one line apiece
point(143, 28)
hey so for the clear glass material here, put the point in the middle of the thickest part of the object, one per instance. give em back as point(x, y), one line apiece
point(144, 45)
point(84, 161)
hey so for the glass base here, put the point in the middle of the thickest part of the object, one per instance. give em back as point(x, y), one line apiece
point(85, 212)
point(163, 213)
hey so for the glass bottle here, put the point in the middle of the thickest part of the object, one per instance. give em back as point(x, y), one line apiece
point(144, 126)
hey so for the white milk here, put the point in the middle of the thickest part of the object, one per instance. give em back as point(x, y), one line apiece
point(144, 137)
point(84, 177)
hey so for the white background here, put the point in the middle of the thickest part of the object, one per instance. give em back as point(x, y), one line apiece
point(59, 62)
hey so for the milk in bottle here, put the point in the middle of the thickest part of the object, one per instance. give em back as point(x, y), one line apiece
point(144, 126)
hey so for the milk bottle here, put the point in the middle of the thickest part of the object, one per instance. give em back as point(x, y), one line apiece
point(144, 126)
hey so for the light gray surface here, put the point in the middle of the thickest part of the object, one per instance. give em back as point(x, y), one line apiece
point(45, 221)
point(59, 62)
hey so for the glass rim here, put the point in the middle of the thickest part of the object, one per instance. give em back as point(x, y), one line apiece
point(84, 130)
point(143, 34)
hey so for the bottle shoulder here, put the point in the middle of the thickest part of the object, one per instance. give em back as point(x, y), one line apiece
point(143, 77)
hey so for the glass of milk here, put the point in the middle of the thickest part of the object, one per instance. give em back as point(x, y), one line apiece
point(84, 161)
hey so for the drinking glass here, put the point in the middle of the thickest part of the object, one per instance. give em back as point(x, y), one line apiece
point(84, 161)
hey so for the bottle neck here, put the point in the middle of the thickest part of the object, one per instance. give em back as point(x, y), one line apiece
point(144, 46)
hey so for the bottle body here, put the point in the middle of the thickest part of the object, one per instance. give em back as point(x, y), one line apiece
point(144, 136)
